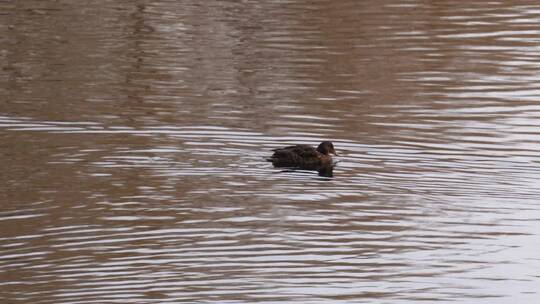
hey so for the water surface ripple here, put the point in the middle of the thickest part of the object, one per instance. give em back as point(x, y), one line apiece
point(134, 136)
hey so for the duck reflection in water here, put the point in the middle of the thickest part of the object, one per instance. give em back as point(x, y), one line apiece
point(306, 157)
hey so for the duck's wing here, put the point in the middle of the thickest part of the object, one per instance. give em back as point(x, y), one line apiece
point(304, 151)
point(295, 156)
point(285, 158)
point(292, 147)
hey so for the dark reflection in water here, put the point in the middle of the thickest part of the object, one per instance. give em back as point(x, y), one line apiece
point(326, 171)
point(133, 136)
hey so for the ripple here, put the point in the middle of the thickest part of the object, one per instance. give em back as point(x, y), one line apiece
point(135, 139)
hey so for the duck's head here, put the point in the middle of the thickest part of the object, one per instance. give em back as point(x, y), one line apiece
point(326, 148)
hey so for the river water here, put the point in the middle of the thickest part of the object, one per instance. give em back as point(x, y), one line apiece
point(133, 137)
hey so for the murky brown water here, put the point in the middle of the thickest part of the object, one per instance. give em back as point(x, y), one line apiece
point(133, 137)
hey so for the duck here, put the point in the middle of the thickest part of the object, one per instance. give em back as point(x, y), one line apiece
point(304, 157)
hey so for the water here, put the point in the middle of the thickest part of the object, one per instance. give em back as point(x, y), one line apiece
point(133, 136)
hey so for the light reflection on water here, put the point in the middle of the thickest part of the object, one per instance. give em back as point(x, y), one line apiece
point(135, 137)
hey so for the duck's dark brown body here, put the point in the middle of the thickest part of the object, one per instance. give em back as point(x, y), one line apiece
point(304, 156)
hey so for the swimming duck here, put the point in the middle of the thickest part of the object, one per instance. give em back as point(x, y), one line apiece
point(304, 156)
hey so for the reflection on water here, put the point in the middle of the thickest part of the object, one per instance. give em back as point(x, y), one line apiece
point(134, 137)
point(326, 171)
